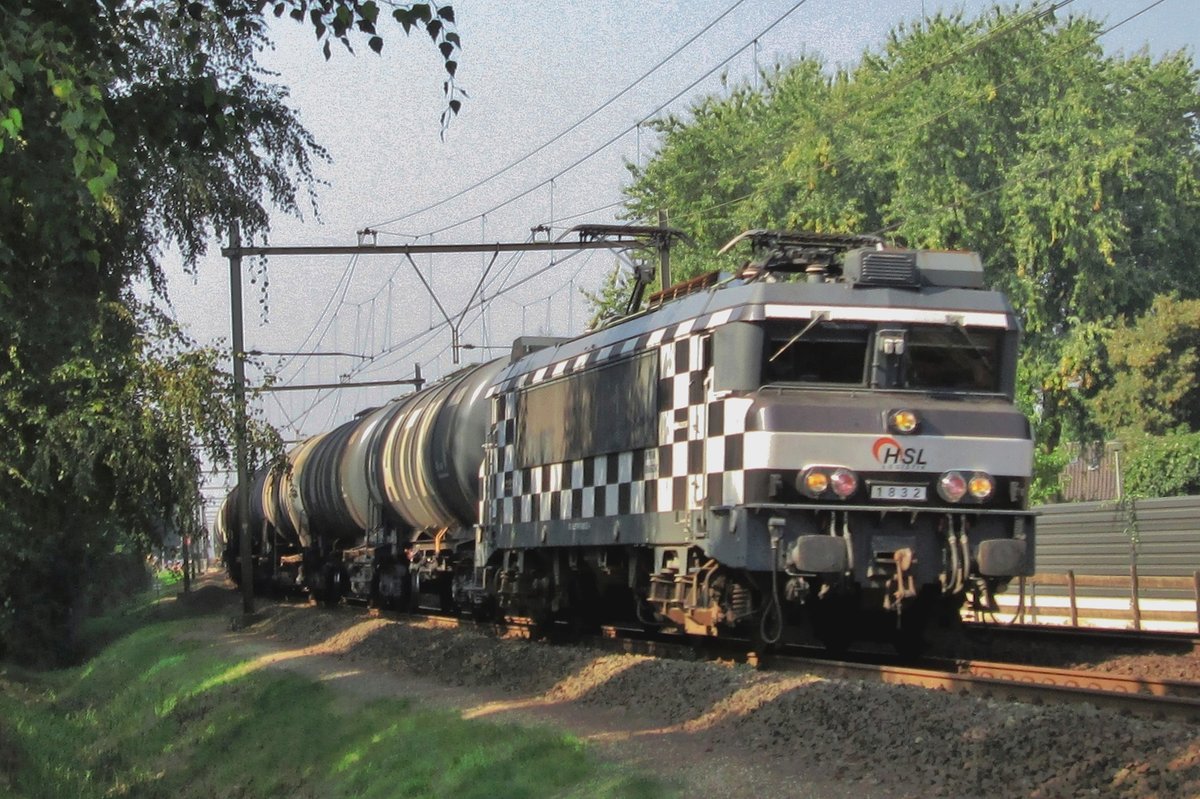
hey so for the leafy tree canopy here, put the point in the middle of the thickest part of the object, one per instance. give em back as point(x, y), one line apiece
point(1074, 173)
point(1154, 386)
point(1161, 466)
point(128, 127)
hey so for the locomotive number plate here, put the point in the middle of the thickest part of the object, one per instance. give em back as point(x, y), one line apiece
point(901, 493)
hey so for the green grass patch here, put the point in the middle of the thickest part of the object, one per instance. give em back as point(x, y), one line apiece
point(151, 716)
point(169, 577)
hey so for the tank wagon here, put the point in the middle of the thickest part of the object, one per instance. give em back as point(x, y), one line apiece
point(828, 434)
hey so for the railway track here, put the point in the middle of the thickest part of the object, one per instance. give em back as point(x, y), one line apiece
point(1156, 699)
point(1148, 698)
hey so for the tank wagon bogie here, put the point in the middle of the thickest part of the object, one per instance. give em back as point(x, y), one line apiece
point(843, 447)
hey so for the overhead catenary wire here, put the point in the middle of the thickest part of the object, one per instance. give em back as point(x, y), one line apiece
point(575, 125)
point(377, 363)
point(343, 286)
point(384, 359)
point(617, 137)
point(838, 162)
point(373, 359)
point(581, 214)
point(1031, 15)
point(474, 306)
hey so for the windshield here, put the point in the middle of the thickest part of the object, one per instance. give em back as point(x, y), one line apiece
point(826, 352)
point(952, 357)
point(917, 357)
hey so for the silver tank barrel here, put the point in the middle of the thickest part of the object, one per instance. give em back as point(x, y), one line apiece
point(258, 511)
point(274, 506)
point(225, 521)
point(362, 500)
point(293, 500)
point(321, 488)
point(431, 449)
point(456, 448)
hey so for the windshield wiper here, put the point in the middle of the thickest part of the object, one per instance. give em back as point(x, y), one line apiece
point(817, 317)
point(983, 354)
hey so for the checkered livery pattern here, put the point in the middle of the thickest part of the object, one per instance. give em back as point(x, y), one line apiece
point(697, 463)
point(625, 348)
point(700, 438)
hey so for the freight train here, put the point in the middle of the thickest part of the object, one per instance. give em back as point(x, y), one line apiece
point(824, 439)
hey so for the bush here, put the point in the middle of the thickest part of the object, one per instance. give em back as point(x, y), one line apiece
point(1162, 466)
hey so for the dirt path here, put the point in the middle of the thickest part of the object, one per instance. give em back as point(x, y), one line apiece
point(346, 650)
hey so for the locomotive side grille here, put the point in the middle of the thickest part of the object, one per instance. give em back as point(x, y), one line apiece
point(889, 269)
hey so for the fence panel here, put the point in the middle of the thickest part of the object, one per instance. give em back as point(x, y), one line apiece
point(1132, 565)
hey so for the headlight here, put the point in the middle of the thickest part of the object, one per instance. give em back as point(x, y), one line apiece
point(814, 482)
point(981, 486)
point(952, 486)
point(903, 421)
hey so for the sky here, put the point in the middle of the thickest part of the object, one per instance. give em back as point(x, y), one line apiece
point(531, 70)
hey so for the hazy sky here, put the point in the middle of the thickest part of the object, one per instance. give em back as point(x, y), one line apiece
point(532, 70)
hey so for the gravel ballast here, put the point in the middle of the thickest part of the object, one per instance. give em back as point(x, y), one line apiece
point(764, 733)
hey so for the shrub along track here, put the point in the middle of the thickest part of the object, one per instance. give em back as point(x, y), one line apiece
point(727, 729)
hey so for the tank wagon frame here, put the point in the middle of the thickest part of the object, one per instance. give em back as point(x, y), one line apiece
point(830, 434)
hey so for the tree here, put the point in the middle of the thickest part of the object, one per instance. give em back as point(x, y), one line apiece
point(1074, 173)
point(1162, 466)
point(1148, 396)
point(128, 127)
point(1154, 386)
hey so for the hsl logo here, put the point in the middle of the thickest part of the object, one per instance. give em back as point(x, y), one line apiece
point(888, 451)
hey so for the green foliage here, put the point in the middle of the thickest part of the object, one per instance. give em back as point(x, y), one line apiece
point(611, 298)
point(1074, 173)
point(157, 716)
point(1047, 467)
point(1161, 466)
point(128, 128)
point(1154, 387)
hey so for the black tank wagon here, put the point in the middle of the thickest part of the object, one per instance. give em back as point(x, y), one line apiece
point(830, 434)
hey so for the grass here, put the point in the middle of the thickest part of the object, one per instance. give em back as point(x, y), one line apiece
point(154, 716)
point(168, 577)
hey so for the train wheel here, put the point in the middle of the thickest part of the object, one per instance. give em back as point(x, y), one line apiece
point(332, 584)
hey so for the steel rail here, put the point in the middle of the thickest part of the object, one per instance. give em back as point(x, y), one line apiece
point(1155, 699)
point(1091, 680)
point(1174, 700)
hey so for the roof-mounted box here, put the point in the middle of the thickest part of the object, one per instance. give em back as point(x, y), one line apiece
point(913, 268)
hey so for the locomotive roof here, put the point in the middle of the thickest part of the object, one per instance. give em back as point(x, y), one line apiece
point(756, 301)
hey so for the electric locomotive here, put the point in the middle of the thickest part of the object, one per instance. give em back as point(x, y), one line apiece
point(827, 434)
